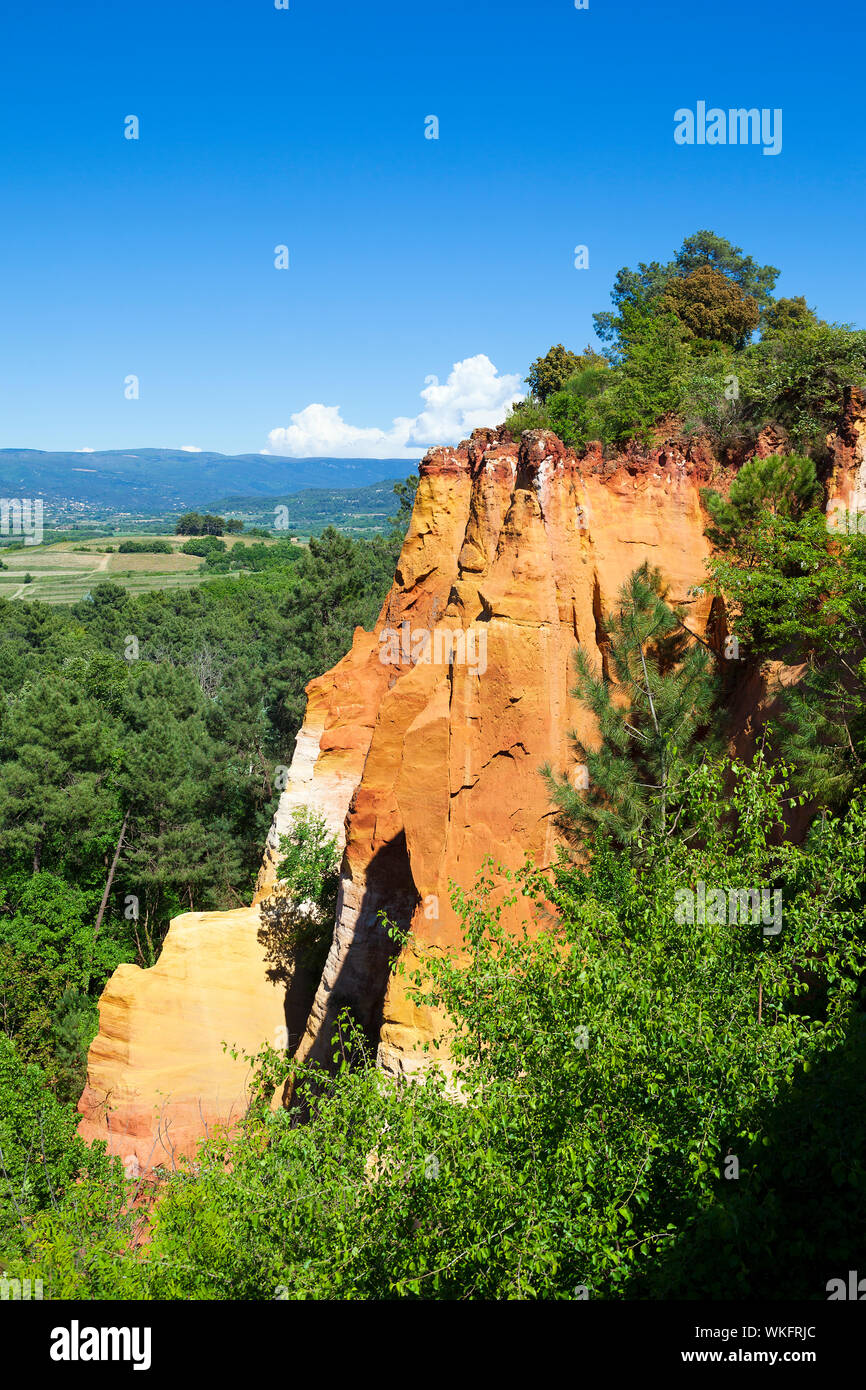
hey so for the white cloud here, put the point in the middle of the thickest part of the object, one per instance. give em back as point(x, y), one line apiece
point(474, 395)
point(84, 451)
point(320, 429)
point(190, 449)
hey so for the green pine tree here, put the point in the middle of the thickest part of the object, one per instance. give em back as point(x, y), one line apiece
point(796, 589)
point(823, 733)
point(779, 485)
point(652, 703)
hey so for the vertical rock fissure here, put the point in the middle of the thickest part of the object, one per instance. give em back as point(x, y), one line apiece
point(356, 975)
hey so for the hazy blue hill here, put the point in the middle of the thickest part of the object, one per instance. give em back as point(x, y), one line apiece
point(144, 481)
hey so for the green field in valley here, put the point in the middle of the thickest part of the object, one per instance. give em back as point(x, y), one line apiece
point(65, 572)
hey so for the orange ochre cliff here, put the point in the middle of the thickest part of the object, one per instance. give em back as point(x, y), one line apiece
point(422, 750)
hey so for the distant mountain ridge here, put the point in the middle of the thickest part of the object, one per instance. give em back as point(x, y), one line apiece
point(141, 481)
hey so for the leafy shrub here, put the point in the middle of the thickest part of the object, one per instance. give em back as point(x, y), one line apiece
point(797, 377)
point(204, 546)
point(51, 968)
point(144, 548)
point(549, 374)
point(298, 923)
point(41, 1156)
point(527, 415)
point(647, 386)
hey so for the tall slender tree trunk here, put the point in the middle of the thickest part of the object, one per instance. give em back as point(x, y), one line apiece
point(652, 707)
point(110, 879)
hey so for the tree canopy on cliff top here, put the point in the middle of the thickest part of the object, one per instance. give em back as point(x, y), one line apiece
point(679, 342)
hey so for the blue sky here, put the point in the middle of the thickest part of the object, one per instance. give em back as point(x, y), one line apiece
point(305, 127)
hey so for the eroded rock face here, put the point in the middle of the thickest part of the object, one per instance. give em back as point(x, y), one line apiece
point(847, 481)
point(514, 556)
point(158, 1079)
point(423, 765)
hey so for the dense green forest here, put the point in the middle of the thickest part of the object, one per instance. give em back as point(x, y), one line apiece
point(149, 727)
point(662, 1081)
